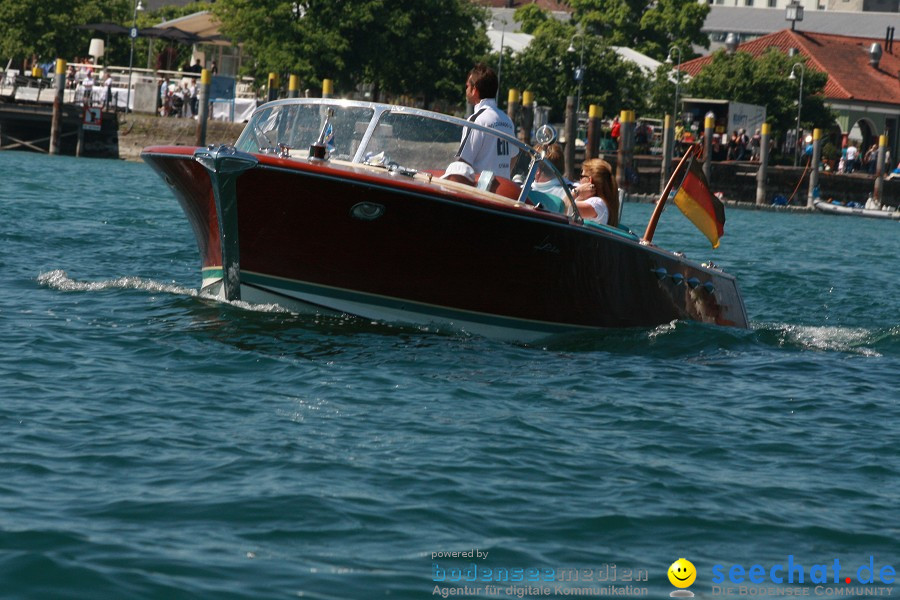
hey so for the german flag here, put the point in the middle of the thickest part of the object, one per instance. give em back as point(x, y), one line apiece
point(702, 208)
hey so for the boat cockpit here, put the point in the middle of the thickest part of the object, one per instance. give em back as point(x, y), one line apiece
point(405, 142)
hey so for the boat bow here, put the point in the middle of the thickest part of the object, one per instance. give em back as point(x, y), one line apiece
point(225, 164)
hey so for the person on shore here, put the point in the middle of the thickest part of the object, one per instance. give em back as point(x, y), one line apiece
point(192, 91)
point(107, 90)
point(164, 98)
point(597, 196)
point(755, 145)
point(870, 159)
point(480, 150)
point(213, 69)
point(643, 133)
point(852, 155)
point(87, 86)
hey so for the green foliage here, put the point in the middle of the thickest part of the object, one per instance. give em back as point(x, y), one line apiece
point(651, 28)
point(47, 30)
point(764, 81)
point(661, 91)
point(415, 47)
point(546, 68)
point(530, 17)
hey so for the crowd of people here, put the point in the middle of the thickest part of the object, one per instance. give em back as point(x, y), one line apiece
point(178, 99)
point(174, 99)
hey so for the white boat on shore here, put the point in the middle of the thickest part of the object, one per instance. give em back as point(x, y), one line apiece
point(857, 211)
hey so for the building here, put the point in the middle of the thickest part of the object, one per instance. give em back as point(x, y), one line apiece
point(863, 85)
point(747, 23)
point(845, 6)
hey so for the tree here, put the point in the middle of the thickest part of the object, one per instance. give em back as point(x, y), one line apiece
point(650, 28)
point(661, 90)
point(46, 29)
point(546, 68)
point(764, 80)
point(415, 47)
point(530, 17)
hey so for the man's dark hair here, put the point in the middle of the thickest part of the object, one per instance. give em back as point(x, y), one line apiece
point(484, 80)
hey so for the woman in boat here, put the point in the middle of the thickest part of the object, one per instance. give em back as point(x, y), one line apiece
point(597, 196)
point(547, 184)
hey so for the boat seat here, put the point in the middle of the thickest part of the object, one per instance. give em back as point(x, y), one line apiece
point(501, 185)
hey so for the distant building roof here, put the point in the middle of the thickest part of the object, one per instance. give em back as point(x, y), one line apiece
point(761, 21)
point(844, 58)
point(157, 4)
point(515, 40)
point(551, 5)
point(202, 23)
point(646, 63)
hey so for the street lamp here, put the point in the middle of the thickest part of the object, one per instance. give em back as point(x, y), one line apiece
point(677, 76)
point(794, 13)
point(500, 64)
point(579, 72)
point(799, 107)
point(133, 33)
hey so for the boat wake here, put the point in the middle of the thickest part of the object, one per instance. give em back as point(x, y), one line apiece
point(853, 340)
point(680, 336)
point(685, 338)
point(60, 280)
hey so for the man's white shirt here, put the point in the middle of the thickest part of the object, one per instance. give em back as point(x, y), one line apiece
point(484, 151)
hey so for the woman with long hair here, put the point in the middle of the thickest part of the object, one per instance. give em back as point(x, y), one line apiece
point(597, 195)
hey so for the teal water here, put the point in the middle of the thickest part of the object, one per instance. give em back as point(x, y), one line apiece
point(155, 444)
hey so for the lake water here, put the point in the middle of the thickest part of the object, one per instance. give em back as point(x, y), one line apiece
point(155, 444)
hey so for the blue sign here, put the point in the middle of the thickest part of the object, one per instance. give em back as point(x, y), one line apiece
point(222, 88)
point(133, 33)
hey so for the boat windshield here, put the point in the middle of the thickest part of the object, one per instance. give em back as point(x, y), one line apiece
point(398, 138)
point(298, 126)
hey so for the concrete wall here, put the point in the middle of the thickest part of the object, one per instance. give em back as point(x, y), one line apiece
point(139, 131)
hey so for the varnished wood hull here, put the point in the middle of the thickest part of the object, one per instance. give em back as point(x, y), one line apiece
point(434, 256)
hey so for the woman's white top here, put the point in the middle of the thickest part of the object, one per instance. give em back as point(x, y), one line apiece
point(600, 207)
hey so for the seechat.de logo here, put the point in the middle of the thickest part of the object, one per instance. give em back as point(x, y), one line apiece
point(792, 572)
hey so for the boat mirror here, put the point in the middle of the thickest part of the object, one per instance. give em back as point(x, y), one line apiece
point(546, 134)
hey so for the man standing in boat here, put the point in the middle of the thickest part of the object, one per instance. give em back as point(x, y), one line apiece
point(480, 150)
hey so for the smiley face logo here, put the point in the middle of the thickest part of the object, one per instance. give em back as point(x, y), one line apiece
point(682, 573)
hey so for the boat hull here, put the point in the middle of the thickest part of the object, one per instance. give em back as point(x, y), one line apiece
point(834, 209)
point(320, 237)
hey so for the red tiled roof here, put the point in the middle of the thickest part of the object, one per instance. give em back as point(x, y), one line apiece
point(845, 59)
point(551, 5)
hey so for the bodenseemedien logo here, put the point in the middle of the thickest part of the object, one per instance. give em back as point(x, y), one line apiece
point(682, 574)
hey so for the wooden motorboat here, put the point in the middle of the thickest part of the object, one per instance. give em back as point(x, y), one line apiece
point(366, 226)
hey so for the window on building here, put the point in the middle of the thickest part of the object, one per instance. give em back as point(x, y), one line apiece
point(773, 3)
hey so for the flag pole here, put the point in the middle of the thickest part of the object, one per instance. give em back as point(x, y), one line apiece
point(664, 197)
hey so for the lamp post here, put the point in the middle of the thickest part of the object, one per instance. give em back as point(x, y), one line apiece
point(677, 76)
point(500, 62)
point(794, 13)
point(799, 107)
point(579, 72)
point(133, 35)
